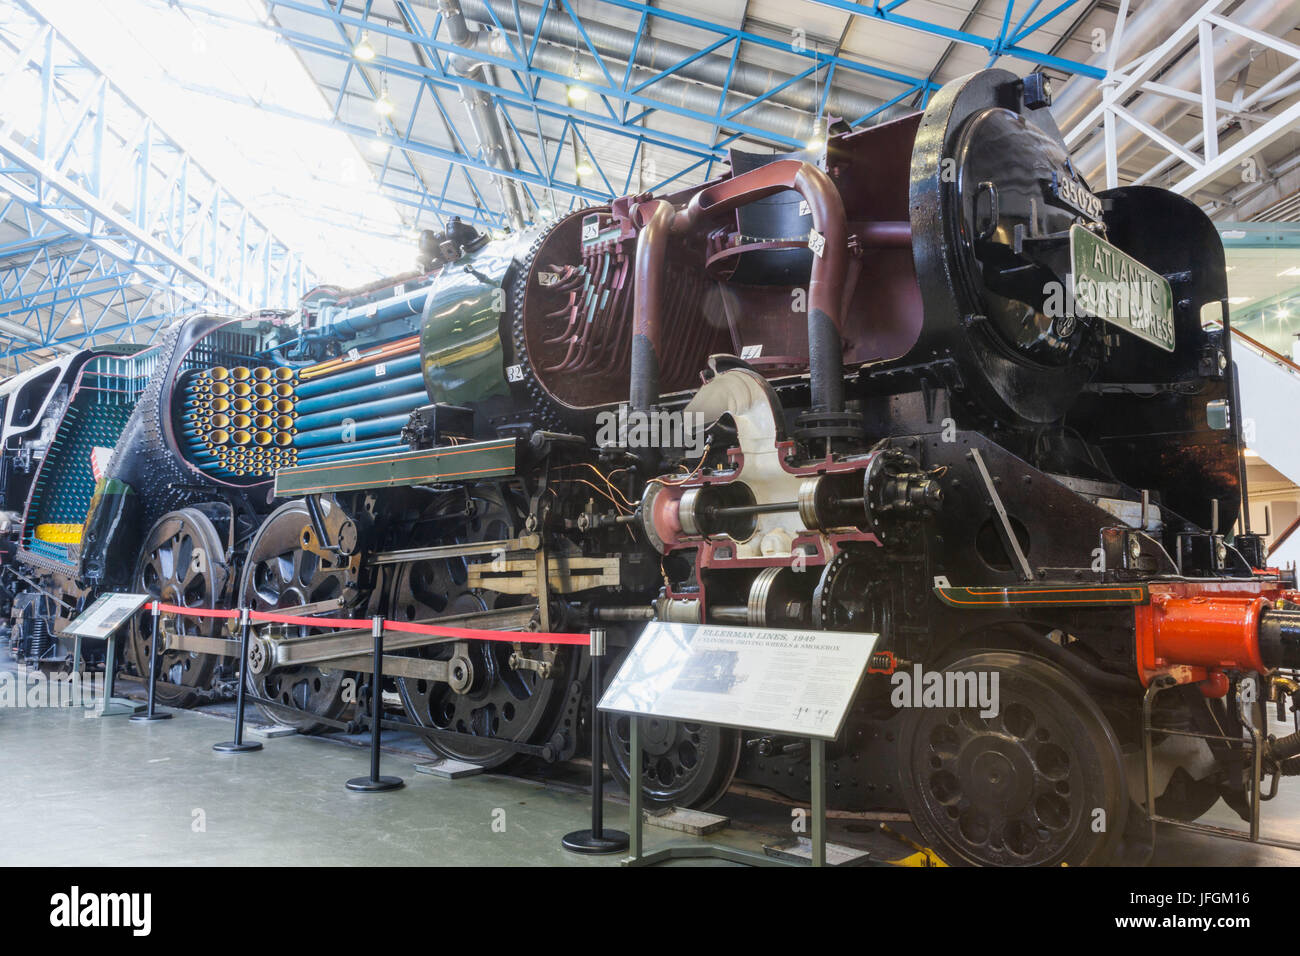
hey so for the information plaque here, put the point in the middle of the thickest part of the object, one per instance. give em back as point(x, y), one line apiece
point(783, 681)
point(98, 623)
point(105, 615)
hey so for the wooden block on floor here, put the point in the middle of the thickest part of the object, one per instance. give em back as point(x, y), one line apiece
point(449, 769)
point(271, 730)
point(800, 850)
point(694, 822)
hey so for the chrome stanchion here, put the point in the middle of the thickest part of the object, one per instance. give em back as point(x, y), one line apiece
point(375, 783)
point(597, 839)
point(238, 745)
point(149, 713)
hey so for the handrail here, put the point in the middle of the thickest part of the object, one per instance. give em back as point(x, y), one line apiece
point(1281, 538)
point(1259, 346)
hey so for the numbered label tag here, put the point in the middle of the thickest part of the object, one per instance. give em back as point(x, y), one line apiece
point(353, 355)
point(514, 373)
point(372, 310)
point(547, 278)
point(816, 242)
point(751, 352)
point(804, 209)
point(381, 370)
point(590, 230)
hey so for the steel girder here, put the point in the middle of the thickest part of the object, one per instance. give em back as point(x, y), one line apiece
point(1207, 156)
point(110, 225)
point(621, 98)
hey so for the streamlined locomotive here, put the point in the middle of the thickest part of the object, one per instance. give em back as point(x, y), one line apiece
point(924, 384)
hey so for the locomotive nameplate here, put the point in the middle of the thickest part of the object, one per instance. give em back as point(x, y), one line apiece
point(1110, 284)
point(781, 681)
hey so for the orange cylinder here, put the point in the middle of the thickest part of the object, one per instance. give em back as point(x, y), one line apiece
point(1212, 631)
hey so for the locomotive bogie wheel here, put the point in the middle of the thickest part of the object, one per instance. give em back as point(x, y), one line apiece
point(182, 563)
point(1042, 783)
point(682, 764)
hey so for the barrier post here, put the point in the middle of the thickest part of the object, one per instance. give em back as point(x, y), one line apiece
point(597, 839)
point(149, 713)
point(375, 783)
point(238, 745)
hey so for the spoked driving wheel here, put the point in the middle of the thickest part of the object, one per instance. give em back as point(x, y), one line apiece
point(278, 574)
point(183, 562)
point(485, 701)
point(682, 764)
point(1041, 783)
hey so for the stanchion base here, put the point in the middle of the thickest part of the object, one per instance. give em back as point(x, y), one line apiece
point(585, 841)
point(147, 716)
point(369, 785)
point(231, 747)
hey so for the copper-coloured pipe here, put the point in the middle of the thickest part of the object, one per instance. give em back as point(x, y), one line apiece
point(658, 219)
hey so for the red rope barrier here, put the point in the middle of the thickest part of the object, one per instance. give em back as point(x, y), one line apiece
point(196, 612)
point(473, 634)
point(343, 623)
point(346, 623)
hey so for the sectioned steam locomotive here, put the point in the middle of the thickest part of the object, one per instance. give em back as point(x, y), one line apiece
point(904, 433)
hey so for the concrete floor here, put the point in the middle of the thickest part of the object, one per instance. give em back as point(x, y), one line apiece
point(113, 792)
point(119, 793)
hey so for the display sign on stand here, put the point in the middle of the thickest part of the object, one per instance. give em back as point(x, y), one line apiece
point(100, 622)
point(799, 683)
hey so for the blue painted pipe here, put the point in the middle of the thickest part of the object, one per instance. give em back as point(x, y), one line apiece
point(372, 428)
point(340, 456)
point(334, 381)
point(406, 402)
point(362, 317)
point(363, 393)
point(339, 448)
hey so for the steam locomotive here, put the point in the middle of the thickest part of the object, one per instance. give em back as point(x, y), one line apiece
point(923, 384)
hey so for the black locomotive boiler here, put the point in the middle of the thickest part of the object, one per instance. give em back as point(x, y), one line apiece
point(924, 384)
